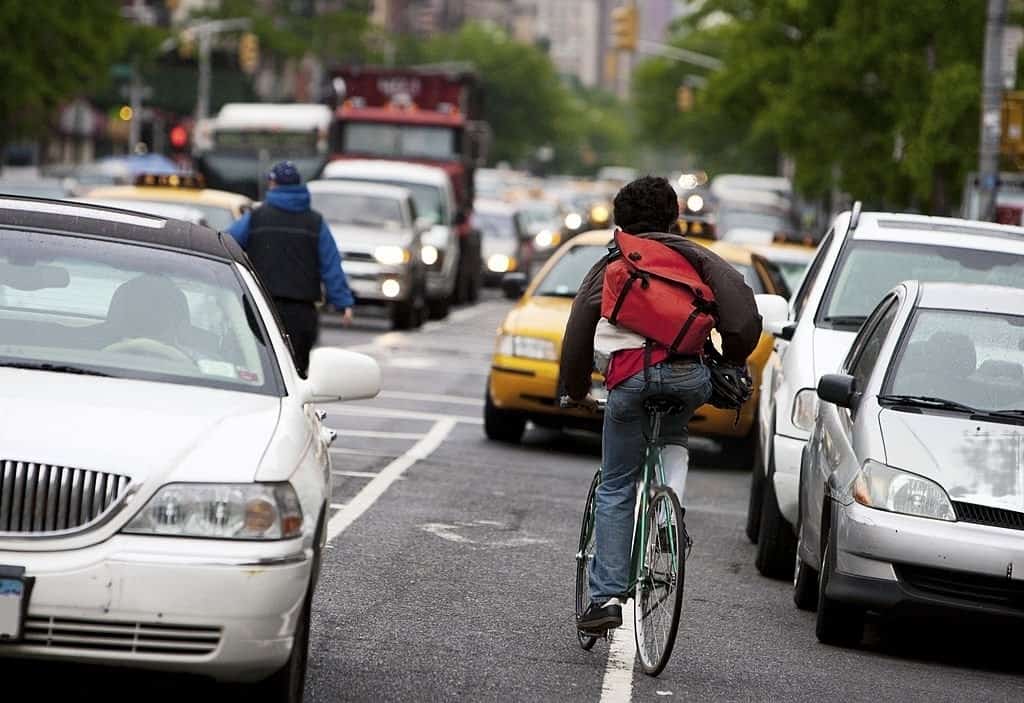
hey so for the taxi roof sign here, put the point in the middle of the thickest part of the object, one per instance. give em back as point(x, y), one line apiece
point(170, 180)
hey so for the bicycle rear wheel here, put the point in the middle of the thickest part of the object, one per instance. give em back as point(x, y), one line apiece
point(659, 587)
point(584, 556)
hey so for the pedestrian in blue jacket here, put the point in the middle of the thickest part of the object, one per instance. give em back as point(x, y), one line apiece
point(292, 250)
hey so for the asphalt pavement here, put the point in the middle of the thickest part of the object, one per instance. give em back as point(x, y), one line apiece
point(449, 572)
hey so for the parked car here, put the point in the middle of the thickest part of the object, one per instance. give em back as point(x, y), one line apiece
point(911, 499)
point(432, 192)
point(861, 257)
point(381, 245)
point(168, 210)
point(505, 240)
point(176, 519)
point(524, 371)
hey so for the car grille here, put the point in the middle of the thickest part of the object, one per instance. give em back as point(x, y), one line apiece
point(41, 498)
point(120, 636)
point(985, 515)
point(961, 585)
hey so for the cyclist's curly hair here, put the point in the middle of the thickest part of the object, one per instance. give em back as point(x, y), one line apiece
point(648, 204)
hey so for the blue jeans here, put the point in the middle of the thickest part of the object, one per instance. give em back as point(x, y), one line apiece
point(623, 444)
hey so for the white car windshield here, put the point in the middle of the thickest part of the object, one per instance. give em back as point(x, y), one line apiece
point(357, 209)
point(867, 270)
point(972, 358)
point(129, 311)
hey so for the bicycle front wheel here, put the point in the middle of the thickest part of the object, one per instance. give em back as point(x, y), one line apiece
point(659, 588)
point(584, 557)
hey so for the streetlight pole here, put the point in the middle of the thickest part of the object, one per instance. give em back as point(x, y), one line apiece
point(991, 106)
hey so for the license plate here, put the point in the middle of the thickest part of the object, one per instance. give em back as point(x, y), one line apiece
point(13, 601)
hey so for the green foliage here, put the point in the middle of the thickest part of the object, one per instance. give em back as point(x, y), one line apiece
point(50, 52)
point(883, 93)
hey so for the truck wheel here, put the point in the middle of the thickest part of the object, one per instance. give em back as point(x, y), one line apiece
point(438, 308)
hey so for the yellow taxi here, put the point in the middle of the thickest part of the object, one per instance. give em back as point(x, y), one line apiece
point(219, 207)
point(523, 379)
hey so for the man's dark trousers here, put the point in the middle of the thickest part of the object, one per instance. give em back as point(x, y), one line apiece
point(302, 325)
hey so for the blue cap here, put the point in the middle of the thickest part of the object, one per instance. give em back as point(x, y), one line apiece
point(284, 173)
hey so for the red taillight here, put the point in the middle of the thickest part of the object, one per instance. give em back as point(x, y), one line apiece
point(178, 137)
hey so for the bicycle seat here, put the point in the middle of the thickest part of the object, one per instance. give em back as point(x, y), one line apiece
point(665, 405)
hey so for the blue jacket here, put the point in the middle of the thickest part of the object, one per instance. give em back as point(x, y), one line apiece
point(296, 199)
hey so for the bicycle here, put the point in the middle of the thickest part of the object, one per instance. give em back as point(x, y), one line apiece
point(658, 565)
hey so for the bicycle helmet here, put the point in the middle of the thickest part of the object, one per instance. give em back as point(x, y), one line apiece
point(731, 384)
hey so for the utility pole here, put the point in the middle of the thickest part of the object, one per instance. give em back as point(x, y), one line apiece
point(204, 34)
point(991, 106)
point(135, 89)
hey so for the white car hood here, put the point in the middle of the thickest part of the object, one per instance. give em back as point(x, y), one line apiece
point(976, 462)
point(140, 429)
point(830, 348)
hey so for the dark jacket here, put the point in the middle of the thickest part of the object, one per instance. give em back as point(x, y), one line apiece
point(739, 324)
point(295, 199)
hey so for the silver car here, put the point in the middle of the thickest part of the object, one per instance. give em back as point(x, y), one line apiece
point(380, 245)
point(912, 483)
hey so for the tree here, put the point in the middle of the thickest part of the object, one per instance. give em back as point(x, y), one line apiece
point(50, 52)
point(882, 93)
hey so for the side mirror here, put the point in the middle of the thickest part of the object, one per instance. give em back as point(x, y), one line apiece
point(514, 285)
point(783, 329)
point(339, 374)
point(773, 309)
point(838, 389)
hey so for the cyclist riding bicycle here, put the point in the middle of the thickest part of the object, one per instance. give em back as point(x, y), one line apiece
point(637, 368)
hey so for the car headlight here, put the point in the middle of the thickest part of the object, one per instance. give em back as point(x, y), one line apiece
point(391, 255)
point(500, 263)
point(246, 511)
point(430, 255)
point(546, 238)
point(695, 203)
point(573, 220)
point(599, 214)
point(526, 347)
point(877, 485)
point(805, 408)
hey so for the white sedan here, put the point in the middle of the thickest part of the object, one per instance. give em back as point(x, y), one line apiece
point(164, 473)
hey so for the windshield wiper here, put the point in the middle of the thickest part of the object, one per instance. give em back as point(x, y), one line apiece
point(57, 368)
point(845, 320)
point(925, 401)
point(1009, 414)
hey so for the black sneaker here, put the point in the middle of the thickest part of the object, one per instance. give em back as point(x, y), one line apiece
point(598, 618)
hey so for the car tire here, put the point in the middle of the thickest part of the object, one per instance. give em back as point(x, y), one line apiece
point(776, 543)
point(438, 308)
point(838, 623)
point(805, 582)
point(756, 494)
point(409, 314)
point(502, 425)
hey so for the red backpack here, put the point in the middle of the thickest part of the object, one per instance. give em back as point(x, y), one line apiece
point(652, 290)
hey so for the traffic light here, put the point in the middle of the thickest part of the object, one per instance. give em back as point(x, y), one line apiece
point(249, 52)
point(624, 28)
point(178, 137)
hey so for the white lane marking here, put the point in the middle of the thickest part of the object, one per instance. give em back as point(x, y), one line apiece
point(337, 506)
point(617, 686)
point(439, 529)
point(361, 452)
point(432, 398)
point(356, 474)
point(466, 314)
point(447, 532)
point(371, 411)
point(375, 488)
point(377, 435)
